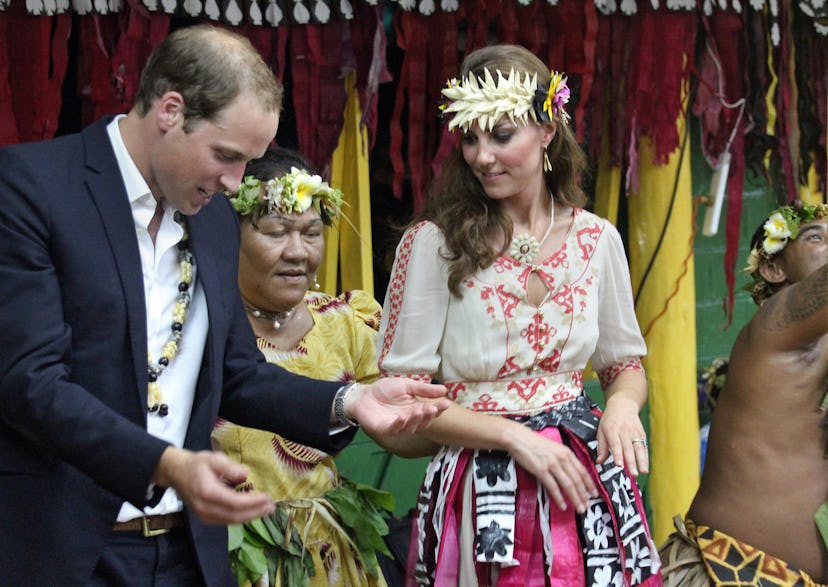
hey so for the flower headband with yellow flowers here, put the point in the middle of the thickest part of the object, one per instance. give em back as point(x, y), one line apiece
point(781, 227)
point(293, 193)
point(486, 100)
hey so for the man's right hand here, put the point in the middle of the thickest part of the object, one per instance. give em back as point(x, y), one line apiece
point(205, 481)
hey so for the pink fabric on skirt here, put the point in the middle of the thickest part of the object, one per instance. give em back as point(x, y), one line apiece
point(567, 557)
point(567, 560)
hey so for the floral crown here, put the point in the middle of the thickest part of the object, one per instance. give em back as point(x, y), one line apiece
point(781, 227)
point(486, 100)
point(293, 193)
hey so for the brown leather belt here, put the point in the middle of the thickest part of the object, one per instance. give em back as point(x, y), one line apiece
point(152, 525)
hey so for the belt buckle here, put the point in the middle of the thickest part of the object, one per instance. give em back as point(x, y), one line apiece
point(149, 532)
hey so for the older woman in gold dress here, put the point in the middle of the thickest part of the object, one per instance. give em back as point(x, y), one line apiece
point(283, 209)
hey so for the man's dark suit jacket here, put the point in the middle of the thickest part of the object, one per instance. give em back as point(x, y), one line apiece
point(73, 362)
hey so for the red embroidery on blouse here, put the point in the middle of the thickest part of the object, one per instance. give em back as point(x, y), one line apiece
point(538, 334)
point(508, 301)
point(526, 388)
point(551, 363)
point(609, 374)
point(563, 298)
point(562, 394)
point(587, 239)
point(454, 389)
point(485, 404)
point(560, 258)
point(397, 286)
point(509, 367)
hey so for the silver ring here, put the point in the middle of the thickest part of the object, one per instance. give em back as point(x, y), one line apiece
point(643, 441)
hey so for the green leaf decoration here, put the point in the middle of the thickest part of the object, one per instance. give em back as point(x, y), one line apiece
point(275, 529)
point(262, 531)
point(821, 519)
point(253, 559)
point(363, 510)
point(274, 546)
point(235, 535)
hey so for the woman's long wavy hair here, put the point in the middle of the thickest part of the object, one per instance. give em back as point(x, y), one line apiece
point(457, 203)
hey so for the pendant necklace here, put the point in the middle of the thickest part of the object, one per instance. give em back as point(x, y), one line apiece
point(278, 319)
point(525, 247)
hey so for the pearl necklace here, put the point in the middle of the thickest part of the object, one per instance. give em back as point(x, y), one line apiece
point(155, 399)
point(525, 247)
point(278, 319)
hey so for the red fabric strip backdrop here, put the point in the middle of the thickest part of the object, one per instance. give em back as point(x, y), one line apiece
point(626, 72)
point(36, 69)
point(321, 55)
point(112, 51)
point(724, 131)
point(8, 125)
point(560, 35)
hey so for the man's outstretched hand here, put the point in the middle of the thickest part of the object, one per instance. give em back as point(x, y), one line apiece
point(205, 481)
point(395, 405)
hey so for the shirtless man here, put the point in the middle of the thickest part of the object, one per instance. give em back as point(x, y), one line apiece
point(765, 473)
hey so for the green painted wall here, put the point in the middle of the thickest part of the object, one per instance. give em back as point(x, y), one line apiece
point(714, 336)
point(365, 462)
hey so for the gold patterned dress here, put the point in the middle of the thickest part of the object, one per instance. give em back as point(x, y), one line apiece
point(339, 347)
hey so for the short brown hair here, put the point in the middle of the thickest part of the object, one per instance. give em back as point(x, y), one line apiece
point(209, 67)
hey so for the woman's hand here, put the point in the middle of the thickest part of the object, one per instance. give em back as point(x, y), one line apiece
point(555, 466)
point(621, 434)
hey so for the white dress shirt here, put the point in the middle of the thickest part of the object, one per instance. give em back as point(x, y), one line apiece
point(159, 262)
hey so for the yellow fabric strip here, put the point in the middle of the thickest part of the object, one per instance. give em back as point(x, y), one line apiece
point(770, 94)
point(607, 189)
point(348, 260)
point(671, 359)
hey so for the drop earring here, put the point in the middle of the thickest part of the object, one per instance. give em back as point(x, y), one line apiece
point(547, 164)
point(316, 285)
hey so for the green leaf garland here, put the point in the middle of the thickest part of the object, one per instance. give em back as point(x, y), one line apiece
point(273, 545)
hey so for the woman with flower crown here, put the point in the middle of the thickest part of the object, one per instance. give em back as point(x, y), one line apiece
point(283, 208)
point(503, 290)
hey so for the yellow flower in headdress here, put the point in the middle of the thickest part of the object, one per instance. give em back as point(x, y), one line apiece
point(776, 227)
point(773, 245)
point(306, 187)
point(293, 193)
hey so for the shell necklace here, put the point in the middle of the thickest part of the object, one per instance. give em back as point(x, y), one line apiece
point(525, 247)
point(155, 399)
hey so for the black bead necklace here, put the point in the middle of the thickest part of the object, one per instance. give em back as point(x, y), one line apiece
point(155, 399)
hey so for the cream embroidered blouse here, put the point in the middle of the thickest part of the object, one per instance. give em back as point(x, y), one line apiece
point(496, 351)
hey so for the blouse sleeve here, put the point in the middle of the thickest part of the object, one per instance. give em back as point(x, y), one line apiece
point(620, 344)
point(366, 319)
point(416, 303)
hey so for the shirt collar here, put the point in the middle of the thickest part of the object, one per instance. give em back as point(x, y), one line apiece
point(136, 185)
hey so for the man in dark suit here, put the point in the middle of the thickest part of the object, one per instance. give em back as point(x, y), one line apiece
point(123, 337)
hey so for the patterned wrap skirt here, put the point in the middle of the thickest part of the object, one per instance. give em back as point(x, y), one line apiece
point(521, 538)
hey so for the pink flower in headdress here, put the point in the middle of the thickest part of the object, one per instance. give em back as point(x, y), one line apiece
point(557, 96)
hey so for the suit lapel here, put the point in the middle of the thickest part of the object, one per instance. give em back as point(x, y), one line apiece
point(106, 187)
point(198, 225)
